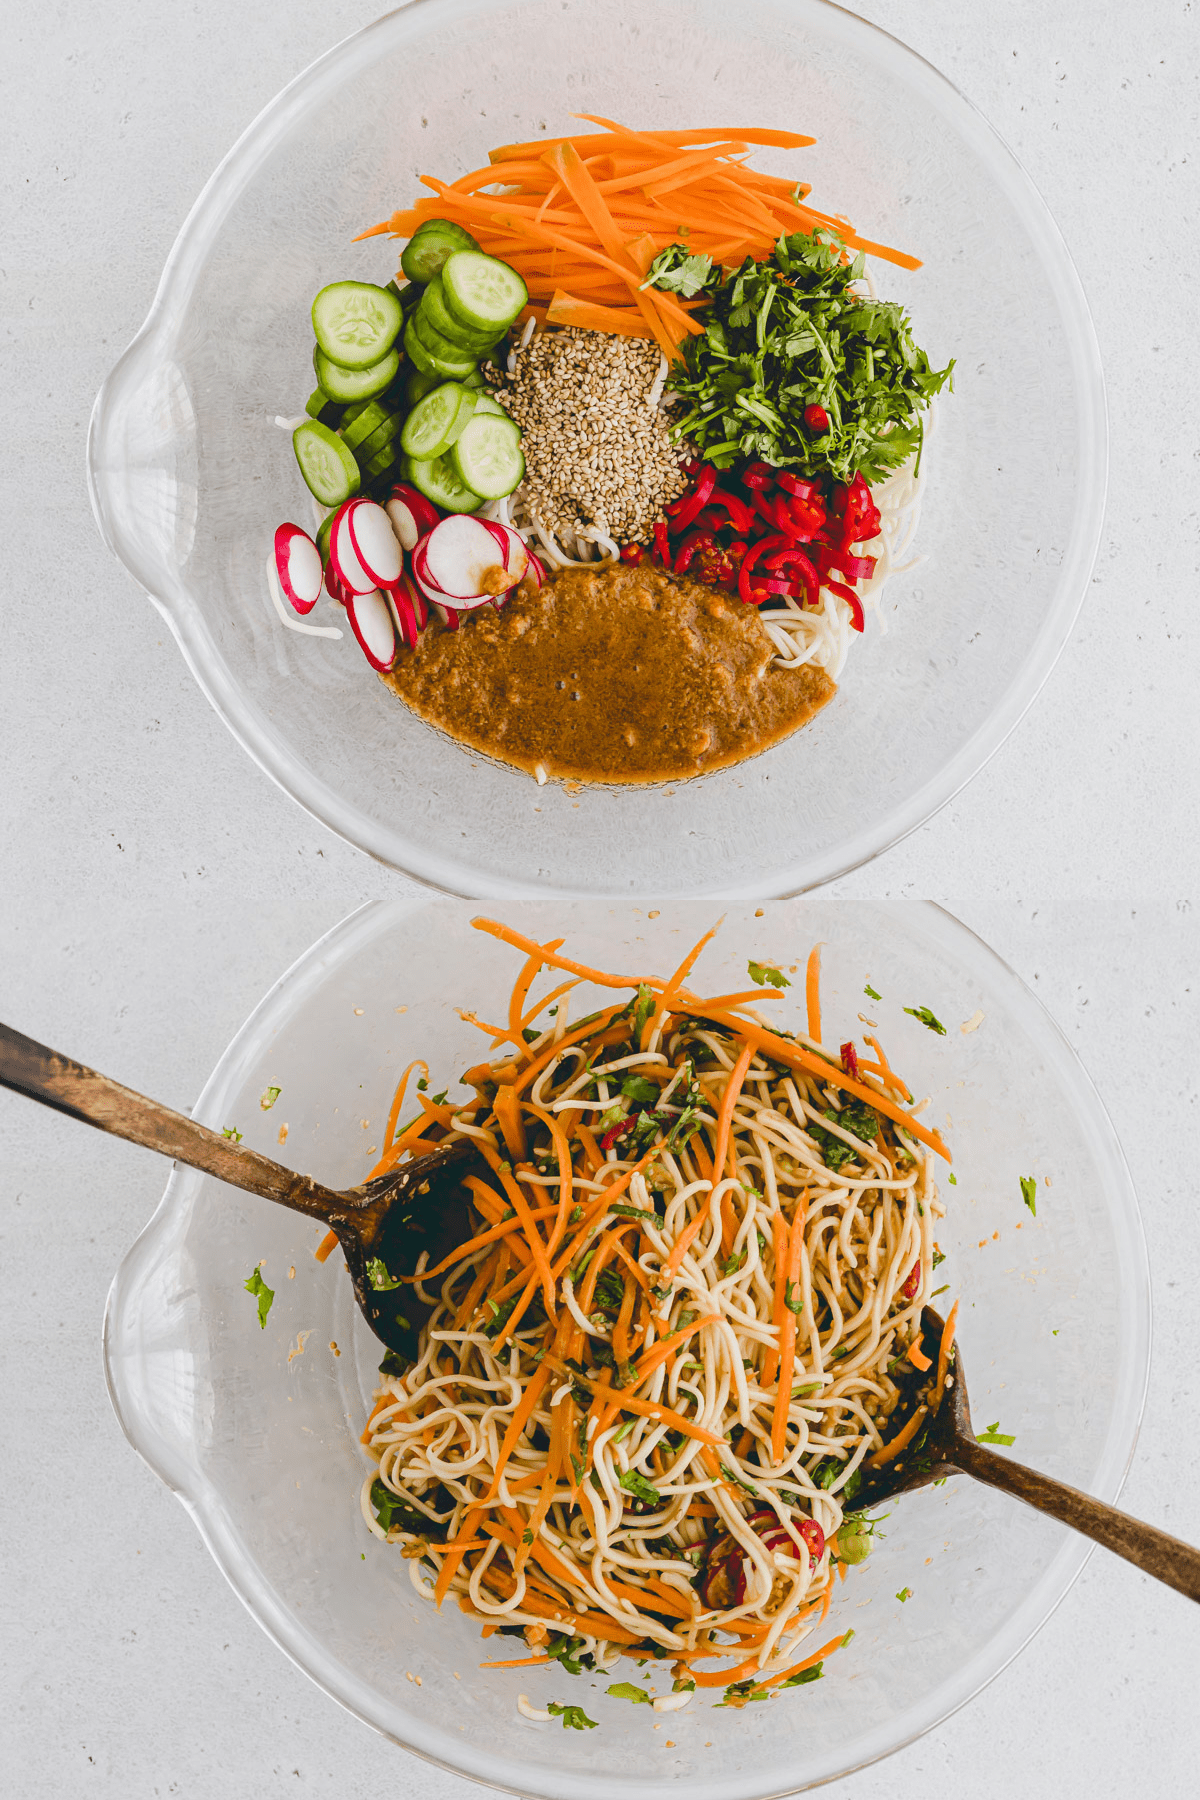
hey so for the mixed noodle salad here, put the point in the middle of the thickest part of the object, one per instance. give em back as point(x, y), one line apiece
point(653, 1375)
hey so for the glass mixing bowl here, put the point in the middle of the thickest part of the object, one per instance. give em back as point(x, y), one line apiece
point(261, 1444)
point(189, 475)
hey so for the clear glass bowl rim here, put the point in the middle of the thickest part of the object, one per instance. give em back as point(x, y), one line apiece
point(441, 871)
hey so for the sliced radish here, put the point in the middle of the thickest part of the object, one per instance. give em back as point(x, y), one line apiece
point(375, 542)
point(409, 608)
point(298, 565)
point(536, 567)
point(435, 595)
point(513, 548)
point(412, 515)
point(462, 559)
point(371, 622)
point(343, 557)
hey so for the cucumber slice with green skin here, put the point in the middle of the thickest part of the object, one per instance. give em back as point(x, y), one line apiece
point(418, 385)
point(320, 406)
point(487, 456)
point(434, 313)
point(430, 245)
point(327, 466)
point(437, 421)
point(485, 404)
point(345, 385)
point(380, 465)
point(450, 368)
point(356, 323)
point(474, 379)
point(440, 482)
point(382, 438)
point(369, 420)
point(482, 292)
point(322, 537)
point(408, 293)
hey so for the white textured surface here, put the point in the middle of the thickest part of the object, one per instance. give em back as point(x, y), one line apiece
point(155, 884)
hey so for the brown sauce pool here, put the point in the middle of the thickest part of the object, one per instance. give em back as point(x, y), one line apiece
point(616, 674)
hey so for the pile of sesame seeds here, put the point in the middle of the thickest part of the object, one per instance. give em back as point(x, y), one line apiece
point(597, 451)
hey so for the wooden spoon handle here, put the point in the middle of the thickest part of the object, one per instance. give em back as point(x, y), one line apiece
point(1165, 1557)
point(30, 1068)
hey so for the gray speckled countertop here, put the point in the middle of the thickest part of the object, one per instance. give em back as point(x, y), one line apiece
point(155, 884)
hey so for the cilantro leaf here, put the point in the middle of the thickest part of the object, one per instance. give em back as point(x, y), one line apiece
point(628, 1690)
point(257, 1286)
point(640, 1488)
point(1029, 1192)
point(566, 1651)
point(573, 1717)
point(855, 1117)
point(904, 1594)
point(678, 271)
point(871, 995)
point(422, 1084)
point(640, 1089)
point(379, 1277)
point(500, 1315)
point(641, 1009)
point(765, 976)
point(927, 1019)
point(994, 1435)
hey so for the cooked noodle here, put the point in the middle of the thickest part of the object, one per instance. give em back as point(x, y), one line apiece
point(639, 1528)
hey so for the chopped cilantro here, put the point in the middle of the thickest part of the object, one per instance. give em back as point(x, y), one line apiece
point(746, 1486)
point(500, 1315)
point(422, 1084)
point(631, 1212)
point(954, 1180)
point(685, 1685)
point(628, 1690)
point(1029, 1192)
point(994, 1435)
point(857, 1118)
point(269, 1097)
point(573, 1717)
point(733, 1262)
point(869, 991)
point(527, 1536)
point(904, 1594)
point(792, 1300)
point(438, 1099)
point(530, 1033)
point(804, 1676)
point(391, 1510)
point(643, 1006)
point(640, 1488)
point(927, 1019)
point(787, 333)
point(939, 1256)
point(641, 1089)
point(941, 1290)
point(380, 1277)
point(393, 1363)
point(232, 1133)
point(765, 976)
point(265, 1295)
point(566, 1651)
point(624, 1432)
point(738, 1692)
point(610, 1291)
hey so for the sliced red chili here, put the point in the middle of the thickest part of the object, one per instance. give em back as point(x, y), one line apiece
point(617, 1131)
point(850, 1060)
point(632, 553)
point(662, 544)
point(682, 512)
point(758, 475)
point(913, 1281)
point(859, 618)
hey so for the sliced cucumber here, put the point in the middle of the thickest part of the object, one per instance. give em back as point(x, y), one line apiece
point(437, 421)
point(474, 379)
point(487, 455)
point(380, 463)
point(369, 420)
point(430, 245)
point(320, 406)
point(481, 291)
point(326, 464)
point(408, 293)
point(485, 404)
point(322, 538)
point(382, 438)
point(356, 323)
point(440, 482)
point(418, 385)
point(434, 313)
point(450, 368)
point(443, 348)
point(345, 385)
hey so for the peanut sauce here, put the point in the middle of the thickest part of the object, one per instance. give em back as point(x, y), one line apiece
point(613, 674)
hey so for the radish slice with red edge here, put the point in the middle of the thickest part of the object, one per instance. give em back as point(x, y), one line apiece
point(283, 612)
point(375, 543)
point(372, 623)
point(343, 557)
point(513, 548)
point(298, 565)
point(412, 515)
point(403, 598)
point(433, 592)
point(462, 560)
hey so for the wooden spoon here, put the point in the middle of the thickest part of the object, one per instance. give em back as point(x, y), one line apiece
point(382, 1226)
point(945, 1444)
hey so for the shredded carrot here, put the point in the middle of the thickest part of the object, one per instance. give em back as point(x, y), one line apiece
point(888, 1074)
point(787, 1336)
point(917, 1357)
point(898, 1443)
point(516, 1662)
point(507, 1108)
point(398, 1099)
point(947, 1344)
point(812, 993)
point(799, 1668)
point(327, 1246)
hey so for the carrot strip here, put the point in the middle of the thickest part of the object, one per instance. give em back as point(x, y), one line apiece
point(566, 1174)
point(398, 1099)
point(507, 935)
point(892, 1450)
point(327, 1246)
point(917, 1357)
point(799, 1668)
point(812, 993)
point(508, 1116)
point(944, 1350)
point(516, 1662)
point(887, 1073)
point(522, 1413)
